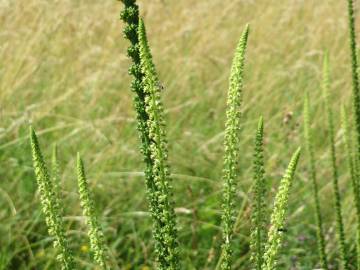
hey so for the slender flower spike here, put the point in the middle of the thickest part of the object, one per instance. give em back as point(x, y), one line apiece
point(354, 177)
point(355, 75)
point(276, 230)
point(95, 233)
point(232, 142)
point(166, 233)
point(50, 206)
point(338, 212)
point(258, 232)
point(130, 16)
point(310, 150)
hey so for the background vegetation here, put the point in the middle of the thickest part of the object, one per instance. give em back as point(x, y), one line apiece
point(63, 69)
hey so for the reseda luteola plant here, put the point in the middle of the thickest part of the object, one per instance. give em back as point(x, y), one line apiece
point(155, 189)
point(168, 252)
point(232, 141)
point(353, 158)
point(51, 205)
point(151, 127)
point(95, 233)
point(278, 215)
point(259, 209)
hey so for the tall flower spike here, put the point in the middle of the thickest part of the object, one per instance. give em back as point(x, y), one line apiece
point(231, 143)
point(276, 230)
point(355, 75)
point(166, 233)
point(258, 231)
point(130, 16)
point(50, 205)
point(354, 177)
point(312, 168)
point(95, 233)
point(337, 198)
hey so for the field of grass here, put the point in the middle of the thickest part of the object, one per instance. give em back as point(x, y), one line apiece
point(63, 69)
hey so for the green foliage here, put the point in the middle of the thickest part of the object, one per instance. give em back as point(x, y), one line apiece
point(50, 205)
point(258, 230)
point(165, 232)
point(276, 230)
point(95, 233)
point(337, 197)
point(312, 169)
point(232, 129)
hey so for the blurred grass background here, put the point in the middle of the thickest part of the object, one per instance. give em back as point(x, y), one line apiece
point(63, 69)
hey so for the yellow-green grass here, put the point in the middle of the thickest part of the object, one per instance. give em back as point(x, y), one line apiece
point(63, 68)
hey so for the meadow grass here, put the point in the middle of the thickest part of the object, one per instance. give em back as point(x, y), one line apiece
point(69, 78)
